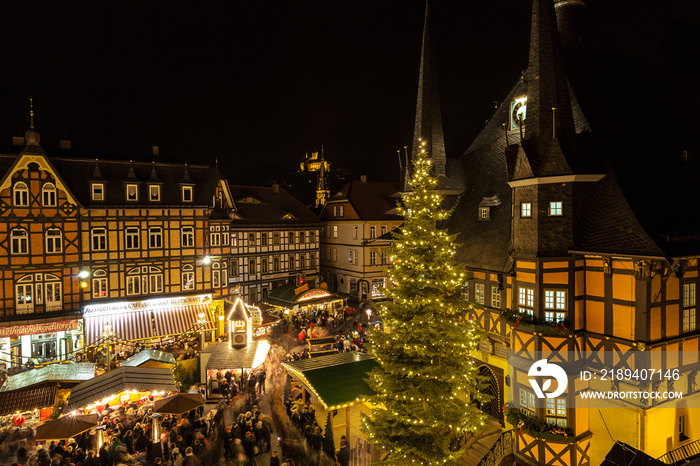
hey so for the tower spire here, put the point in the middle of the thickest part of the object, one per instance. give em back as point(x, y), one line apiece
point(547, 88)
point(31, 112)
point(428, 125)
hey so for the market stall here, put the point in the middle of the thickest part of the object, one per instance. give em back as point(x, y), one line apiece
point(121, 386)
point(292, 299)
point(151, 358)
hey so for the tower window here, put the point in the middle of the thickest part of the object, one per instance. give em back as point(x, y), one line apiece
point(555, 209)
point(526, 210)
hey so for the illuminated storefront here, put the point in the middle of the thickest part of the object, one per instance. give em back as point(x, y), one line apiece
point(148, 319)
point(42, 342)
point(302, 299)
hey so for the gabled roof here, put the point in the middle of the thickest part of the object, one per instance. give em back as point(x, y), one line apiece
point(149, 355)
point(269, 207)
point(73, 372)
point(224, 357)
point(372, 200)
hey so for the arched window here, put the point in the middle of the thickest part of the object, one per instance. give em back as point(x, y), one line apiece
point(99, 284)
point(187, 277)
point(142, 280)
point(54, 241)
point(19, 241)
point(48, 195)
point(36, 289)
point(20, 194)
point(216, 275)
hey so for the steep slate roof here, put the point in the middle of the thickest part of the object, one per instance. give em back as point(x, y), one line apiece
point(76, 172)
point(272, 207)
point(372, 200)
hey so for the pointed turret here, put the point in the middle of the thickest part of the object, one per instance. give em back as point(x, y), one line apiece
point(549, 114)
point(97, 173)
point(131, 175)
point(31, 137)
point(428, 125)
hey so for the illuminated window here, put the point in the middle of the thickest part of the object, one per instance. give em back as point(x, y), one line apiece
point(99, 284)
point(556, 412)
point(132, 192)
point(689, 324)
point(20, 194)
point(234, 239)
point(48, 195)
point(335, 231)
point(495, 297)
point(479, 293)
point(341, 211)
point(187, 194)
point(19, 241)
point(132, 238)
point(555, 209)
point(527, 401)
point(54, 241)
point(465, 290)
point(98, 191)
point(99, 239)
point(187, 277)
point(484, 213)
point(187, 237)
point(155, 237)
point(335, 211)
point(555, 305)
point(526, 209)
point(526, 300)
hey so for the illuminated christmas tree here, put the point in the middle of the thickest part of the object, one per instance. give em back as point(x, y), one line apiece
point(425, 380)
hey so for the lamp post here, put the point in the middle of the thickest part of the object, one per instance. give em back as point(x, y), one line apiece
point(107, 333)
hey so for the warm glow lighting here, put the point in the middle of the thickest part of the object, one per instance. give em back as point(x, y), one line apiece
point(83, 274)
point(260, 353)
point(206, 260)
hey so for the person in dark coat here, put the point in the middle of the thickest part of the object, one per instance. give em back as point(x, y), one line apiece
point(274, 460)
point(91, 459)
point(344, 453)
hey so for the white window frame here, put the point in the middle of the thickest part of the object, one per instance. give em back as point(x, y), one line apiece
point(372, 232)
point(53, 241)
point(49, 195)
point(97, 191)
point(187, 193)
point(98, 239)
point(479, 293)
point(19, 241)
point(20, 194)
point(187, 237)
point(341, 211)
point(99, 284)
point(526, 210)
point(526, 300)
point(155, 237)
point(556, 209)
point(688, 301)
point(188, 277)
point(335, 231)
point(555, 305)
point(132, 238)
point(214, 238)
point(216, 275)
point(495, 297)
point(154, 189)
point(132, 187)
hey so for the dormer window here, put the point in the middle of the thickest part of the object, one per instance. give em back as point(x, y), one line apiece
point(485, 206)
point(187, 194)
point(154, 193)
point(98, 192)
point(132, 192)
point(21, 194)
point(484, 213)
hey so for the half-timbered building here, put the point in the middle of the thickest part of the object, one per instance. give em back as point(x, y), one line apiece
point(559, 262)
point(93, 247)
point(274, 241)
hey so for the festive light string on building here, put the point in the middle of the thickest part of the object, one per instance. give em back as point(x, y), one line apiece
point(426, 379)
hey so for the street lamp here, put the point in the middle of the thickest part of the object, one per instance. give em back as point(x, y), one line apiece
point(107, 334)
point(202, 322)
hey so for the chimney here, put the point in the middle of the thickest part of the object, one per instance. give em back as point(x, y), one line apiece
point(363, 179)
point(18, 141)
point(155, 150)
point(64, 144)
point(275, 187)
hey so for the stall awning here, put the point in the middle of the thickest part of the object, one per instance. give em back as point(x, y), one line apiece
point(133, 325)
point(150, 356)
point(40, 396)
point(66, 373)
point(337, 380)
point(290, 295)
point(178, 320)
point(119, 380)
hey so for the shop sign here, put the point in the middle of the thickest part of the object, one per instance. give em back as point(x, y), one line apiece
point(301, 288)
point(147, 304)
point(35, 329)
point(313, 294)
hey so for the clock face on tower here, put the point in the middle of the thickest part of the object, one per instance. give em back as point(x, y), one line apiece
point(518, 109)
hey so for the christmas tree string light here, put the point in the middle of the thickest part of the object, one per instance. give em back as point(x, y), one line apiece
point(425, 379)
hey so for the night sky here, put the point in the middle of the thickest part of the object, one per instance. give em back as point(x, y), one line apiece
point(259, 83)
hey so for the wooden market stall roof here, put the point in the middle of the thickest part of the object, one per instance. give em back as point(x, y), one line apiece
point(337, 379)
point(223, 357)
point(65, 373)
point(119, 380)
point(38, 396)
point(150, 358)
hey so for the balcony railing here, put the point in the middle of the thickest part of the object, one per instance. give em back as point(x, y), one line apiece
point(682, 454)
